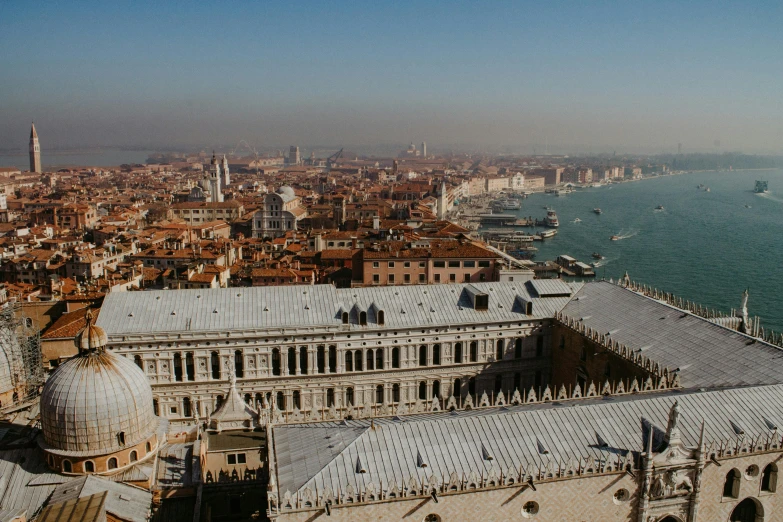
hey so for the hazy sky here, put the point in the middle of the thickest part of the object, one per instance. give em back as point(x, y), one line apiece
point(626, 76)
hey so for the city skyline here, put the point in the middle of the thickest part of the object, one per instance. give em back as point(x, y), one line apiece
point(603, 77)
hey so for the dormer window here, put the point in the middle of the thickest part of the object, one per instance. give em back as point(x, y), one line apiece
point(381, 317)
point(482, 302)
point(345, 317)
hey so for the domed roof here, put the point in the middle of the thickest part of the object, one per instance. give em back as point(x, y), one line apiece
point(288, 191)
point(92, 337)
point(96, 403)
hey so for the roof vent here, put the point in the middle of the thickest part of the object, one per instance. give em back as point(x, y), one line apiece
point(601, 442)
point(130, 314)
point(771, 425)
point(485, 454)
point(737, 428)
point(173, 312)
point(420, 462)
point(542, 449)
point(215, 311)
point(359, 466)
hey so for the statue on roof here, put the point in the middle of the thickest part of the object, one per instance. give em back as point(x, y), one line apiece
point(673, 429)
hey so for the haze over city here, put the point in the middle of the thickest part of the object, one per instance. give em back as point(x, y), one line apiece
point(597, 77)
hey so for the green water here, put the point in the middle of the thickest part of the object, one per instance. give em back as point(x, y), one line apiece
point(704, 246)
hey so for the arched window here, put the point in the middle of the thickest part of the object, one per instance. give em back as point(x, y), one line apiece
point(363, 318)
point(457, 389)
point(474, 351)
point(379, 394)
point(345, 317)
point(296, 398)
point(112, 463)
point(379, 358)
point(749, 510)
point(190, 367)
point(357, 358)
point(186, 409)
point(349, 396)
point(472, 386)
point(330, 397)
point(67, 466)
point(332, 359)
point(215, 363)
point(423, 390)
point(121, 438)
point(349, 361)
point(370, 360)
point(137, 360)
point(436, 389)
point(498, 383)
point(89, 466)
point(381, 317)
point(732, 484)
point(280, 401)
point(178, 367)
point(423, 355)
point(458, 353)
point(239, 364)
point(395, 357)
point(303, 362)
point(395, 393)
point(769, 478)
point(134, 456)
point(320, 359)
point(155, 407)
point(436, 354)
point(499, 350)
point(518, 348)
point(149, 447)
point(218, 401)
point(275, 361)
point(291, 361)
point(248, 398)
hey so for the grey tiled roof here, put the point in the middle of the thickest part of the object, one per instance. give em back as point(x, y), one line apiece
point(232, 309)
point(326, 454)
point(708, 354)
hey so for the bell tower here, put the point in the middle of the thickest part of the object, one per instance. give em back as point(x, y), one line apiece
point(35, 151)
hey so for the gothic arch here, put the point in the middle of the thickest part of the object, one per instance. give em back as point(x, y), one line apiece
point(670, 518)
point(749, 510)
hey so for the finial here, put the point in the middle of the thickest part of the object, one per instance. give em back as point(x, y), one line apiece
point(88, 318)
point(673, 430)
point(232, 379)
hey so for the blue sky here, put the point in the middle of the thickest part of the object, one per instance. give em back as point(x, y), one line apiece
point(597, 76)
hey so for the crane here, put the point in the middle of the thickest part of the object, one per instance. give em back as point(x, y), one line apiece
point(331, 160)
point(249, 148)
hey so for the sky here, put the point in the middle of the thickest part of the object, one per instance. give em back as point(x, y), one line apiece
point(579, 76)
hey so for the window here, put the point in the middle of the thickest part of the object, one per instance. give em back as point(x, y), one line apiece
point(439, 264)
point(349, 396)
point(379, 359)
point(112, 464)
point(345, 317)
point(499, 350)
point(348, 361)
point(330, 397)
point(379, 394)
point(239, 364)
point(137, 360)
point(376, 278)
point(296, 396)
point(67, 467)
point(370, 360)
point(423, 355)
point(186, 407)
point(149, 447)
point(89, 467)
point(474, 351)
point(215, 362)
point(458, 353)
point(452, 278)
point(406, 264)
point(472, 386)
point(190, 367)
point(454, 264)
point(280, 401)
point(134, 456)
point(275, 361)
point(320, 359)
point(395, 357)
point(583, 353)
point(292, 361)
point(518, 348)
point(236, 458)
point(482, 277)
point(466, 278)
point(517, 381)
point(436, 389)
point(303, 360)
point(357, 359)
point(407, 278)
point(437, 278)
point(422, 264)
point(732, 484)
point(498, 383)
point(121, 435)
point(457, 389)
point(332, 359)
point(423, 390)
point(436, 354)
point(391, 278)
point(539, 346)
point(468, 264)
point(422, 278)
point(483, 264)
point(391, 264)
point(395, 393)
point(376, 264)
point(769, 478)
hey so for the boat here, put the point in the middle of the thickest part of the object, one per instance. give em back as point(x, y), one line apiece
point(659, 207)
point(762, 187)
point(700, 186)
point(596, 255)
point(547, 233)
point(551, 219)
point(507, 204)
point(614, 238)
point(707, 189)
point(577, 220)
point(597, 210)
point(748, 206)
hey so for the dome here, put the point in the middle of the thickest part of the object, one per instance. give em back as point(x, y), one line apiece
point(96, 403)
point(286, 190)
point(92, 337)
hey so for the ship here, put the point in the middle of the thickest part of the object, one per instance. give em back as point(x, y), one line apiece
point(596, 255)
point(762, 187)
point(614, 238)
point(551, 219)
point(507, 204)
point(597, 210)
point(659, 207)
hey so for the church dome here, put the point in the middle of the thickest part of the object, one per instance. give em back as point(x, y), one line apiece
point(286, 190)
point(97, 402)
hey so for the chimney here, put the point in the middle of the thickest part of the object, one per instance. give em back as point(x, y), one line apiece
point(376, 223)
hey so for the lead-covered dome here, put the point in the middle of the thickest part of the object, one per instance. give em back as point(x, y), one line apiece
point(287, 191)
point(96, 403)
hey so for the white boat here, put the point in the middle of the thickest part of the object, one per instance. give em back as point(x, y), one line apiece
point(507, 204)
point(547, 233)
point(577, 220)
point(551, 219)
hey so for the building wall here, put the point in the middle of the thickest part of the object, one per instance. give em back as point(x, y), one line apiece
point(432, 273)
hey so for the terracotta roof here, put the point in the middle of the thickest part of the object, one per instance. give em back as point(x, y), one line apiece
point(68, 325)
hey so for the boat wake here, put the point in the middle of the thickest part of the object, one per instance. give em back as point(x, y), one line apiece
point(770, 196)
point(603, 262)
point(625, 235)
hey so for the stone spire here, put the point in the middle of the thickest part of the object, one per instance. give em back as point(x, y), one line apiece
point(234, 412)
point(35, 151)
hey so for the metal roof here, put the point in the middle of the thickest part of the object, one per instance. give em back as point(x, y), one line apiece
point(275, 307)
point(391, 450)
point(550, 288)
point(126, 502)
point(706, 353)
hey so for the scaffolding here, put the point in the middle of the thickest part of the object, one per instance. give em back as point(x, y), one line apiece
point(20, 349)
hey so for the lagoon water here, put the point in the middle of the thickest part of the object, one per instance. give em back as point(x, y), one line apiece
point(704, 246)
point(65, 158)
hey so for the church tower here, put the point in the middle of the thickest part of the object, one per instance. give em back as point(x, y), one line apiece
point(35, 151)
point(215, 195)
point(226, 179)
